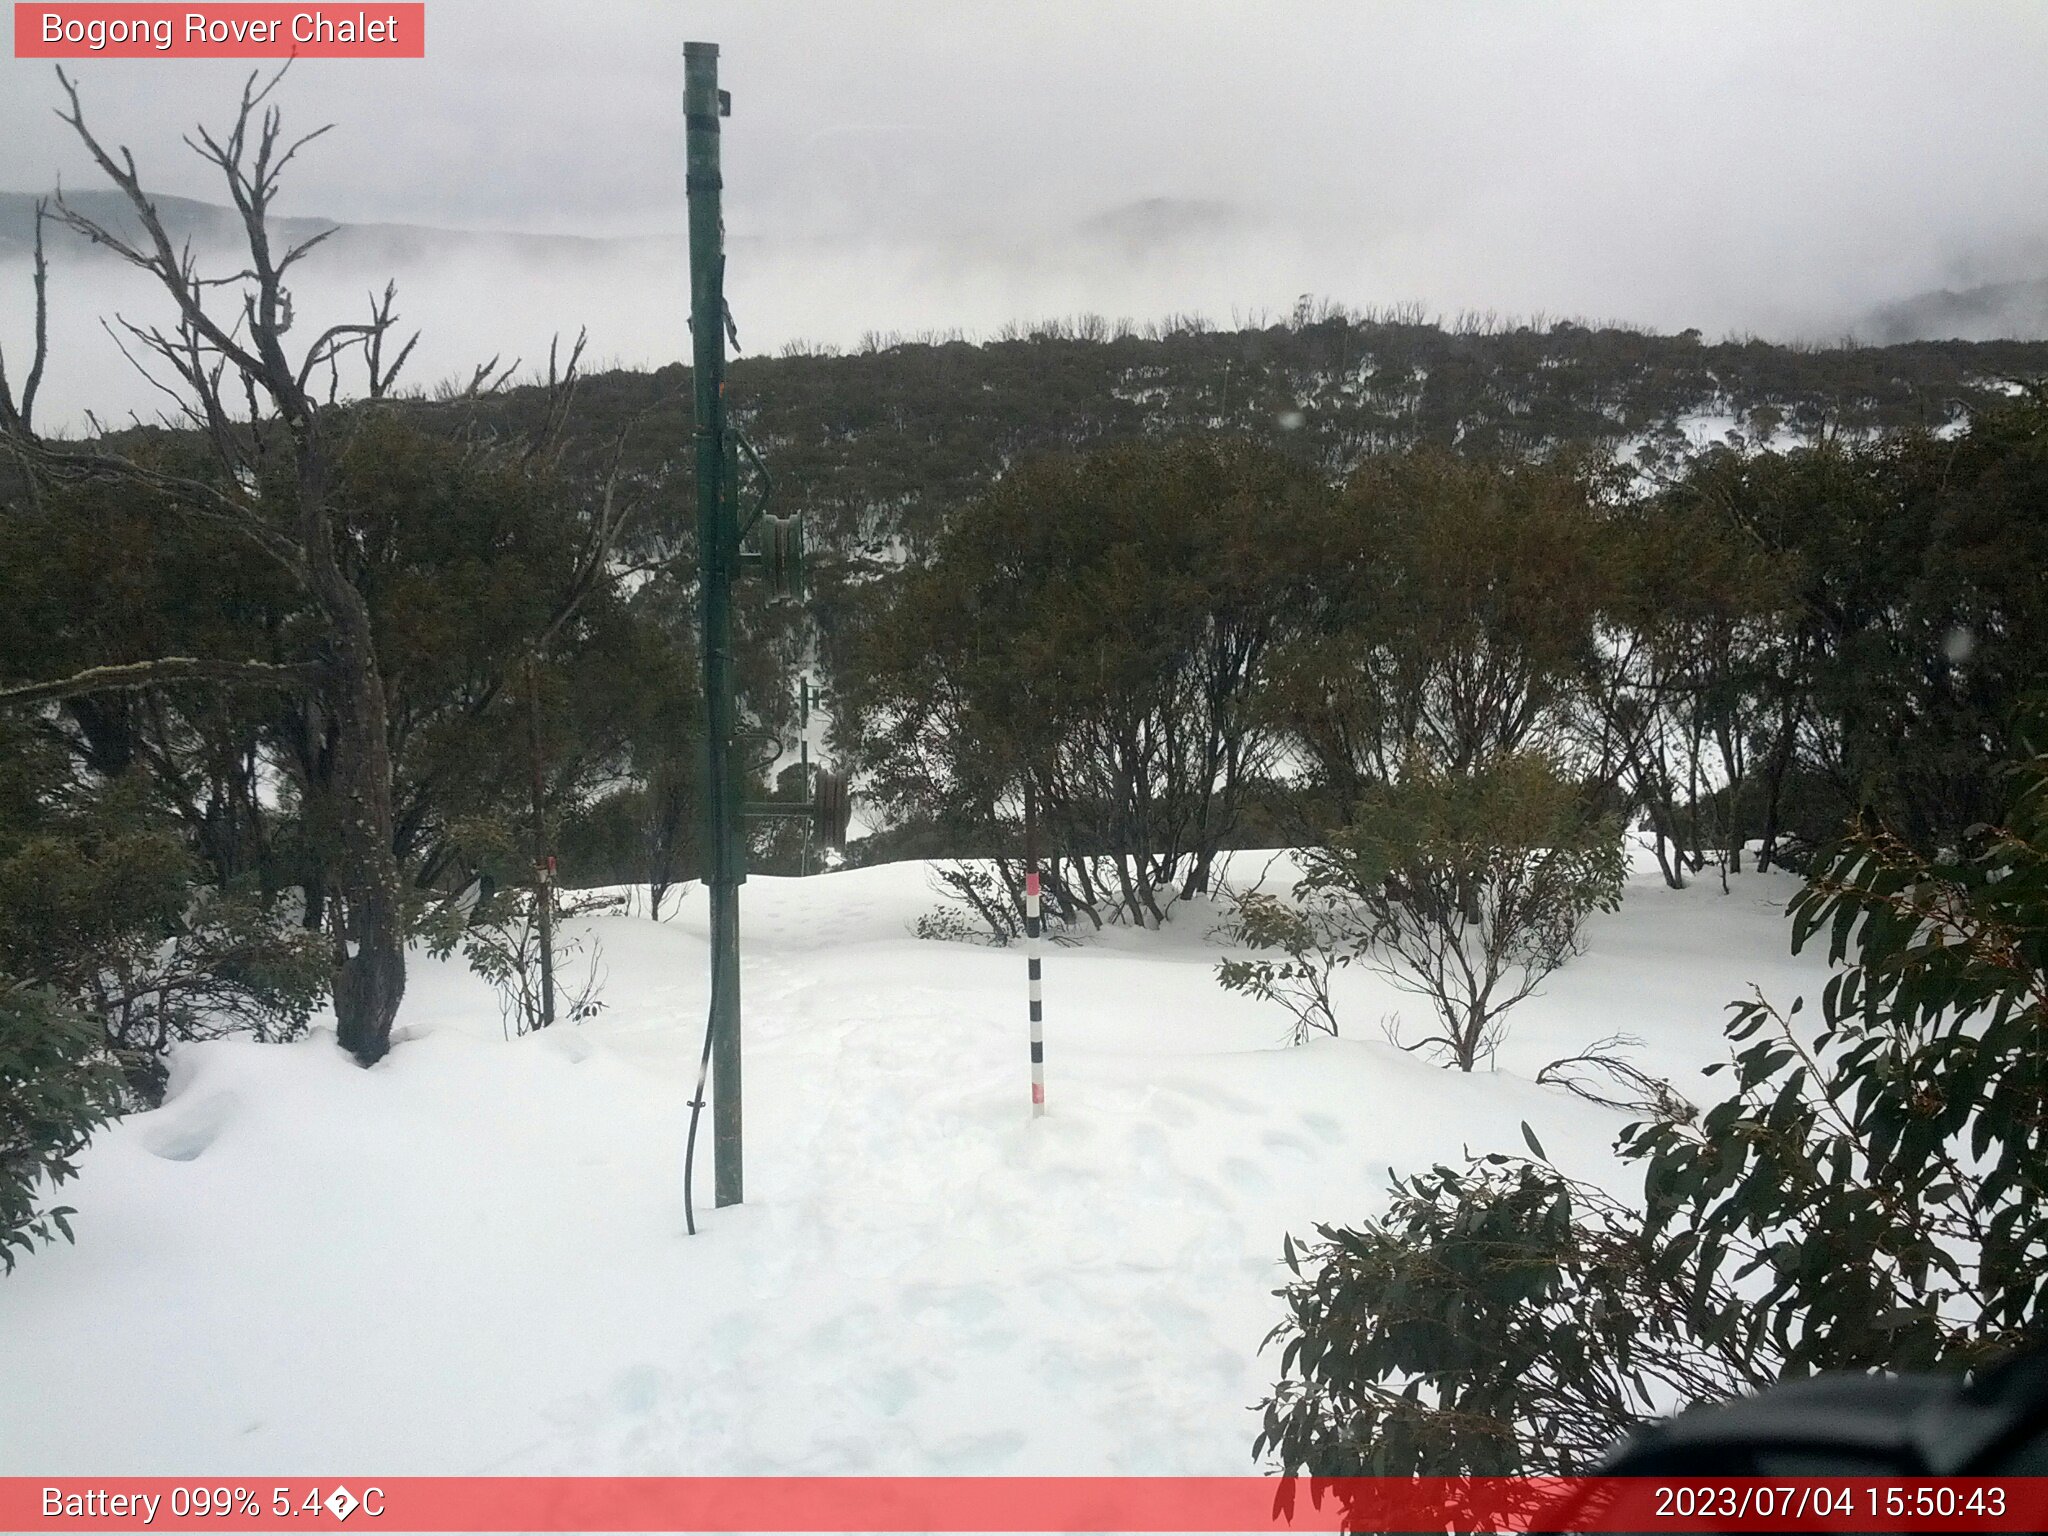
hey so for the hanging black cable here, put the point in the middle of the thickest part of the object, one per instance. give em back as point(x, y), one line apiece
point(697, 1110)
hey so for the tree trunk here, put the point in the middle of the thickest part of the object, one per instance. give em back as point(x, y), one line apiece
point(1467, 1051)
point(1774, 784)
point(240, 353)
point(370, 979)
point(1673, 869)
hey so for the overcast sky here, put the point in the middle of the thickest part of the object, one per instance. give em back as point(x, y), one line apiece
point(1777, 167)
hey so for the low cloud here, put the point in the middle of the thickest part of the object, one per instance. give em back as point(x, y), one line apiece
point(1744, 167)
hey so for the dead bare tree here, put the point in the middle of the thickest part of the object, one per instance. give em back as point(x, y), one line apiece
point(233, 382)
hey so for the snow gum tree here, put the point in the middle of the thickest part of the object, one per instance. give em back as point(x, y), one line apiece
point(1098, 627)
point(1465, 889)
point(1471, 888)
point(362, 579)
point(272, 483)
point(1683, 706)
point(1454, 602)
point(1426, 698)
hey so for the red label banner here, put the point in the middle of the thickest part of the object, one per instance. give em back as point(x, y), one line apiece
point(262, 31)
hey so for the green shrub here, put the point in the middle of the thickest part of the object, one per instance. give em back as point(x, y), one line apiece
point(1311, 936)
point(1871, 1196)
point(1464, 888)
point(57, 1087)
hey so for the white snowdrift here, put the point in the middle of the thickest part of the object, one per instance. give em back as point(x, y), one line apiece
point(472, 1258)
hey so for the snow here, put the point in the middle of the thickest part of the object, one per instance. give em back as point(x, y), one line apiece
point(472, 1258)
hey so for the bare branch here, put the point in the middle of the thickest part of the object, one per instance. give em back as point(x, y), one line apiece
point(561, 390)
point(285, 159)
point(24, 417)
point(381, 320)
point(488, 378)
point(168, 669)
point(304, 246)
point(156, 343)
point(163, 262)
point(610, 523)
point(331, 343)
point(188, 357)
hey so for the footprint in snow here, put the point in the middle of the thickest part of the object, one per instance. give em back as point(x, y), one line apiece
point(891, 1391)
point(1323, 1127)
point(570, 1044)
point(976, 1454)
point(1294, 1146)
point(1173, 1317)
point(181, 1131)
point(960, 1304)
point(1245, 1175)
point(639, 1391)
point(1218, 1098)
point(829, 1334)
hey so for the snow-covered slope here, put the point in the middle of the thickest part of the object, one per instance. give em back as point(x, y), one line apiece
point(472, 1258)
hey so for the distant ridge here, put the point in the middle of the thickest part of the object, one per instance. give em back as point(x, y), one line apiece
point(209, 226)
point(1995, 312)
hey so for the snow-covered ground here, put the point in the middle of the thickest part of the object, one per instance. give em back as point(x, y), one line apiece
point(472, 1258)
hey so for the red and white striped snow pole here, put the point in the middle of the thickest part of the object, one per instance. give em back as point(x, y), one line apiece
point(1031, 932)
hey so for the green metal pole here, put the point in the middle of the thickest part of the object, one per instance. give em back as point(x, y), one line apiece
point(718, 554)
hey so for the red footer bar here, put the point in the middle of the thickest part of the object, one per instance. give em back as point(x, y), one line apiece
point(993, 1504)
